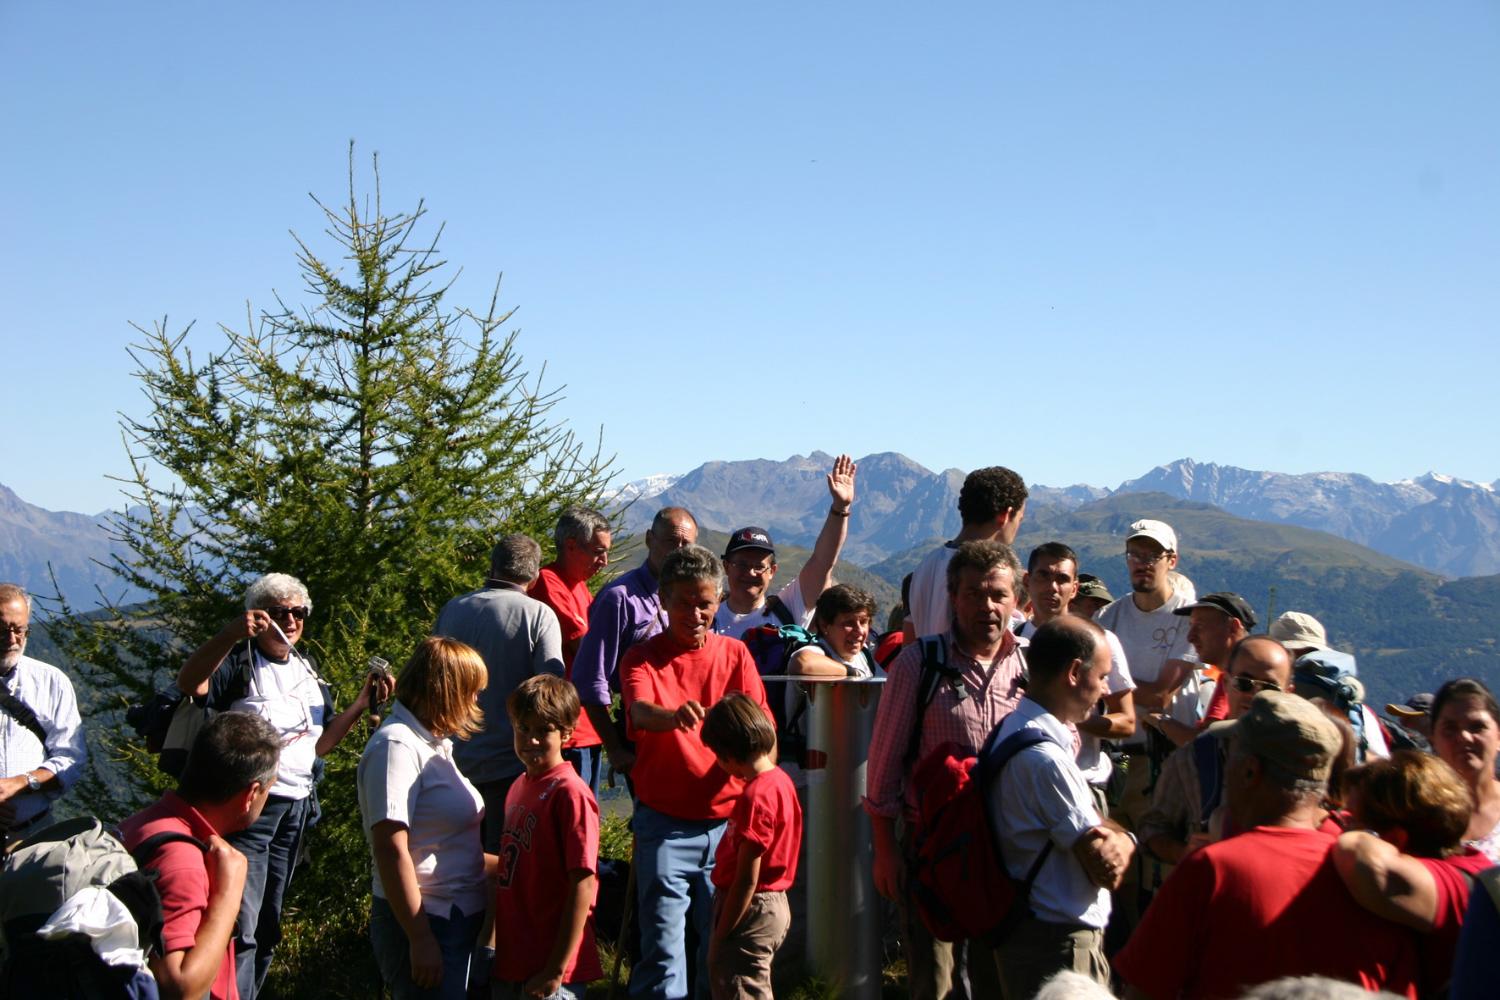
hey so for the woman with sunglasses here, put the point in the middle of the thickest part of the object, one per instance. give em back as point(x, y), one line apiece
point(253, 665)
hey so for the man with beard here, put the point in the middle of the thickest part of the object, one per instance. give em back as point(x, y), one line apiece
point(42, 752)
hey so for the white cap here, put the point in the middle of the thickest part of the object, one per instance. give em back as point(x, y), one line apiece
point(1299, 630)
point(1159, 532)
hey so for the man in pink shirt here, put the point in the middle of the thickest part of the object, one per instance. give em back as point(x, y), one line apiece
point(224, 785)
point(953, 687)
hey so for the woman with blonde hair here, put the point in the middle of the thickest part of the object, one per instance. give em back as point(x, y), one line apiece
point(1406, 861)
point(421, 817)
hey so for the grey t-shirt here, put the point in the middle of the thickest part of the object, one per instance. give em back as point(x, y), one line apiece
point(518, 637)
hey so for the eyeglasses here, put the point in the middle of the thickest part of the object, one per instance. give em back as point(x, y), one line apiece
point(1141, 559)
point(753, 569)
point(1245, 685)
point(287, 614)
point(19, 631)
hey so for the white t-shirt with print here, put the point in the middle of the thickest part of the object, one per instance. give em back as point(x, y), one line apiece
point(726, 622)
point(1150, 639)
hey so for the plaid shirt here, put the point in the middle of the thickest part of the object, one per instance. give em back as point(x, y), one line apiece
point(992, 690)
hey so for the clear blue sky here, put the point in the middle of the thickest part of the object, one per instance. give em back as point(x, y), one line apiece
point(1080, 239)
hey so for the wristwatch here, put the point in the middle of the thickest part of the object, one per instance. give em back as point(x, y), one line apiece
point(32, 783)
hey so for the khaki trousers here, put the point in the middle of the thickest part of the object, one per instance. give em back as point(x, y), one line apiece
point(741, 965)
point(941, 970)
point(1037, 950)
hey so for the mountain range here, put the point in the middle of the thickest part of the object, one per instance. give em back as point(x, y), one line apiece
point(1445, 525)
point(1375, 562)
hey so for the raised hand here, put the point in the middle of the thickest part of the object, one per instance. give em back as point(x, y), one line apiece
point(841, 481)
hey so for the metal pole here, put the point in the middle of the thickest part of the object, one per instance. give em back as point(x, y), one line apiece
point(843, 925)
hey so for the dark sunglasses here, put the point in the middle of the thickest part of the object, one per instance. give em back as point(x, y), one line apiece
point(286, 614)
point(1245, 684)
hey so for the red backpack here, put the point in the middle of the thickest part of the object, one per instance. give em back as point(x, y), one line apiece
point(959, 882)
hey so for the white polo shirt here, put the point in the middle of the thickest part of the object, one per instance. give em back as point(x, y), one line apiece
point(408, 775)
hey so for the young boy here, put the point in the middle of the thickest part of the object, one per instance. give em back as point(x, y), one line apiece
point(757, 858)
point(549, 851)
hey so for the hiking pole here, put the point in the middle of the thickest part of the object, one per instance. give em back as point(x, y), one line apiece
point(625, 911)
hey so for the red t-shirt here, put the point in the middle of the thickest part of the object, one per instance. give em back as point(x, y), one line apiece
point(1218, 702)
point(769, 816)
point(182, 879)
point(1454, 877)
point(674, 772)
point(551, 829)
point(1256, 907)
point(571, 605)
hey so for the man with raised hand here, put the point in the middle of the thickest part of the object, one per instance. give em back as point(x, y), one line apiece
point(991, 505)
point(750, 566)
point(625, 612)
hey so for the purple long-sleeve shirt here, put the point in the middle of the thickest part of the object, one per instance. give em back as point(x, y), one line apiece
point(624, 613)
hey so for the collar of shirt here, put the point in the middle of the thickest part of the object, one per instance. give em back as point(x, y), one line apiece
point(493, 584)
point(641, 580)
point(1031, 713)
point(181, 807)
point(400, 713)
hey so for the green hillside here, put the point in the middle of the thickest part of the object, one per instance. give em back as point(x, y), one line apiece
point(1410, 629)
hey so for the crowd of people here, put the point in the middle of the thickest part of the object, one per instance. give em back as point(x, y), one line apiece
point(1199, 809)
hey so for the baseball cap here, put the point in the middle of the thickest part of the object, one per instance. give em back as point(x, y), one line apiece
point(1299, 630)
point(749, 538)
point(1417, 706)
point(1231, 604)
point(1159, 532)
point(1090, 585)
point(1288, 731)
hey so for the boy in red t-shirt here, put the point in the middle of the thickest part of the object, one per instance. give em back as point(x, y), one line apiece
point(549, 852)
point(757, 857)
point(667, 685)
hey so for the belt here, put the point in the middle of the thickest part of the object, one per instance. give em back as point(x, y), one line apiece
point(14, 835)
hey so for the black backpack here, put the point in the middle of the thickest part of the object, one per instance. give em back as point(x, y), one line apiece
point(771, 647)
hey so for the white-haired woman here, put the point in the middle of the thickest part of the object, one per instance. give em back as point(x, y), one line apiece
point(253, 665)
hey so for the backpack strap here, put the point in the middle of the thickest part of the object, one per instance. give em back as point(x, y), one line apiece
point(993, 757)
point(147, 849)
point(934, 668)
point(25, 717)
point(775, 606)
point(1210, 774)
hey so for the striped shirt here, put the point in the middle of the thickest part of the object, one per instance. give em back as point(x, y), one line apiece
point(991, 690)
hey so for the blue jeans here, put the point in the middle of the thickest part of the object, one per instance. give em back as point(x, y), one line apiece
point(588, 762)
point(455, 935)
point(673, 861)
point(270, 846)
